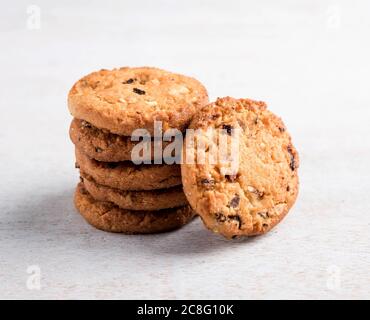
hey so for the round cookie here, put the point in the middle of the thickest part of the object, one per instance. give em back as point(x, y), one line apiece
point(109, 217)
point(102, 145)
point(125, 99)
point(255, 197)
point(137, 200)
point(128, 176)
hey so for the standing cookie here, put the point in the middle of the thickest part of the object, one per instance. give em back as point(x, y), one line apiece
point(125, 99)
point(255, 197)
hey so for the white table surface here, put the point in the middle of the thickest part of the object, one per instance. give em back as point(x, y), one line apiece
point(308, 59)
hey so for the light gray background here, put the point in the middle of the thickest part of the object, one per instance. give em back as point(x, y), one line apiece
point(308, 59)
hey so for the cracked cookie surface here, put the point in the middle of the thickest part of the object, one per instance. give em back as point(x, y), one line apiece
point(125, 99)
point(259, 194)
point(137, 200)
point(128, 176)
point(109, 217)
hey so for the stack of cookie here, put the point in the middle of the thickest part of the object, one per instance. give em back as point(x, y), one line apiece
point(115, 194)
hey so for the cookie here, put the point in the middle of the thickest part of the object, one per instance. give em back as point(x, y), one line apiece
point(137, 200)
point(102, 145)
point(109, 217)
point(125, 99)
point(261, 191)
point(128, 176)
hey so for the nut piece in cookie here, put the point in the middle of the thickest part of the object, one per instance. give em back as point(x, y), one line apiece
point(260, 191)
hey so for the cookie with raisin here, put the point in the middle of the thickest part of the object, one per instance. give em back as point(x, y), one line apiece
point(136, 200)
point(126, 175)
point(107, 216)
point(257, 194)
point(103, 145)
point(122, 100)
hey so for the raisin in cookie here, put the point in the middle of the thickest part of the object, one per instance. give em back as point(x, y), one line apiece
point(109, 217)
point(125, 99)
point(137, 200)
point(264, 187)
point(102, 145)
point(128, 176)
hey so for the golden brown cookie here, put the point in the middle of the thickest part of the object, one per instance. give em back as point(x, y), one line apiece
point(128, 176)
point(109, 217)
point(102, 145)
point(137, 200)
point(263, 189)
point(125, 99)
